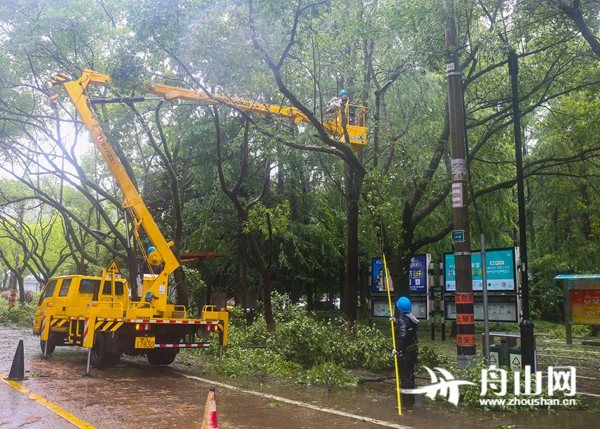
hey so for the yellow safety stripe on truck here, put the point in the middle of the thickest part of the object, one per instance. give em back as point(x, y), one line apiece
point(116, 326)
point(108, 326)
point(57, 323)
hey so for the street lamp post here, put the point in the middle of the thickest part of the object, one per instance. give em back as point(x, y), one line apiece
point(526, 325)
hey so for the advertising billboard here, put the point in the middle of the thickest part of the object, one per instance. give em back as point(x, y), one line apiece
point(417, 274)
point(500, 269)
point(378, 276)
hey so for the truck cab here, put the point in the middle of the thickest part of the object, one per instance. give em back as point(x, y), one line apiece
point(72, 295)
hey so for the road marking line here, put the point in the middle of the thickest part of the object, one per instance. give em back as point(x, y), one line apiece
point(297, 403)
point(583, 376)
point(568, 357)
point(46, 403)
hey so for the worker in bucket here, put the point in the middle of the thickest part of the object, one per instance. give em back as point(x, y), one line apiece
point(408, 349)
point(341, 102)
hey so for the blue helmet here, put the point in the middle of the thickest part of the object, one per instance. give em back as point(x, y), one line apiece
point(404, 304)
point(343, 92)
point(150, 249)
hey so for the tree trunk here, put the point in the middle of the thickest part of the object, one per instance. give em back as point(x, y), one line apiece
point(586, 222)
point(12, 286)
point(294, 289)
point(342, 281)
point(574, 11)
point(81, 267)
point(399, 271)
point(242, 270)
point(21, 284)
point(310, 301)
point(364, 292)
point(266, 290)
point(182, 293)
point(353, 186)
point(529, 217)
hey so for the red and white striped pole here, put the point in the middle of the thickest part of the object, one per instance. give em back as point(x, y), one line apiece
point(86, 331)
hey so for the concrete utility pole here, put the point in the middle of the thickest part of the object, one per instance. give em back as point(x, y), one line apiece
point(526, 325)
point(465, 321)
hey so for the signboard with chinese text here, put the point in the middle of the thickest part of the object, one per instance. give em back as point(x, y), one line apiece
point(581, 300)
point(417, 274)
point(585, 305)
point(500, 269)
point(418, 285)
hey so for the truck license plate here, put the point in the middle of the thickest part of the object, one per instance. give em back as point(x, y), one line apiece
point(144, 342)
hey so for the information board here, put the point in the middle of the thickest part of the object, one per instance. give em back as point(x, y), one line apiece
point(500, 269)
point(501, 308)
point(418, 282)
point(380, 306)
point(581, 301)
point(585, 305)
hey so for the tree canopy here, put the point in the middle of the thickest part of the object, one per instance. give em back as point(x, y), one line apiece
point(294, 209)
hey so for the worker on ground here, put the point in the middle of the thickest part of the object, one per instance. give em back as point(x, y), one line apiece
point(406, 341)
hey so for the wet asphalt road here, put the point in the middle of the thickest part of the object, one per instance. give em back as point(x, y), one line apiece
point(135, 394)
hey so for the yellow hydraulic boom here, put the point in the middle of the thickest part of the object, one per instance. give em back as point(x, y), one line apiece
point(355, 115)
point(158, 285)
point(352, 120)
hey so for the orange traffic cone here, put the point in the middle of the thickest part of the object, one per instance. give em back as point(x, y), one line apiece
point(210, 411)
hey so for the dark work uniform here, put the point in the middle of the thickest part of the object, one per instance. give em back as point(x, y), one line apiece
point(406, 338)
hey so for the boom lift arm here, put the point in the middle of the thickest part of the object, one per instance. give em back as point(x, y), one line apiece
point(352, 121)
point(76, 89)
point(354, 115)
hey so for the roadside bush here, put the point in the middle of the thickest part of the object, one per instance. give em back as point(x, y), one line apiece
point(547, 301)
point(328, 375)
point(308, 342)
point(558, 332)
point(261, 363)
point(302, 340)
point(284, 310)
point(365, 347)
point(430, 358)
point(19, 315)
point(545, 293)
point(319, 351)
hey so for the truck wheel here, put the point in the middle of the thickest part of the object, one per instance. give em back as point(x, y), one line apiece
point(51, 346)
point(112, 359)
point(159, 357)
point(101, 357)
